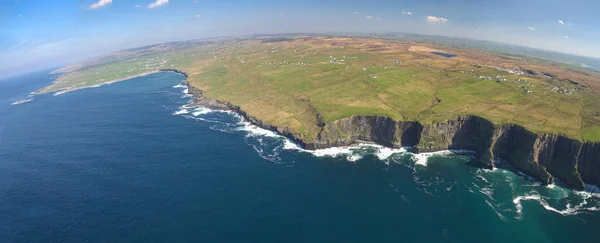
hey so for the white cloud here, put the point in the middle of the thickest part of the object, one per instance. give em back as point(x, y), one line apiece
point(158, 3)
point(100, 3)
point(566, 36)
point(138, 6)
point(436, 20)
point(561, 22)
point(407, 13)
point(198, 15)
point(356, 13)
point(530, 28)
point(368, 17)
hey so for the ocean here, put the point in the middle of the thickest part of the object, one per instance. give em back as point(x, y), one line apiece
point(130, 162)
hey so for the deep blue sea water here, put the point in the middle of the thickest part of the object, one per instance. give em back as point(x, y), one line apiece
point(127, 162)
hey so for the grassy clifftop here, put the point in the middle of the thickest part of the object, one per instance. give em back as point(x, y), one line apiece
point(300, 82)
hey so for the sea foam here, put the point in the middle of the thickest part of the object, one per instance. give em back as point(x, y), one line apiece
point(422, 158)
point(18, 102)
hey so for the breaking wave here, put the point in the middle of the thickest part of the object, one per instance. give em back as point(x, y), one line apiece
point(493, 185)
point(18, 102)
point(569, 202)
point(502, 183)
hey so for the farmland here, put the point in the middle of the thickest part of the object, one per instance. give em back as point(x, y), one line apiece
point(283, 81)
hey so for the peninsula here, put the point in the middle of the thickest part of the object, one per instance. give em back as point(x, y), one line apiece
point(322, 91)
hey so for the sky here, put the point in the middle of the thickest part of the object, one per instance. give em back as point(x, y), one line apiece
point(39, 34)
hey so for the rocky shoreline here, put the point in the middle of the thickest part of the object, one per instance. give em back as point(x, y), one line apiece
point(545, 157)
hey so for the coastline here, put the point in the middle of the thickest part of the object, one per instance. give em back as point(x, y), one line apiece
point(545, 157)
point(70, 89)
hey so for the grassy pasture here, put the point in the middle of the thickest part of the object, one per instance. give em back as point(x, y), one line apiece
point(282, 81)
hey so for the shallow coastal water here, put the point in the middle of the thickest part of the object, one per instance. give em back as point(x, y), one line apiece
point(131, 162)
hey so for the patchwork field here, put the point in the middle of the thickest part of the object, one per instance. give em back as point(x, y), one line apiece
point(286, 82)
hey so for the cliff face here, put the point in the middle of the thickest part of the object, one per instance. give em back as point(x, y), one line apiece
point(542, 156)
point(520, 148)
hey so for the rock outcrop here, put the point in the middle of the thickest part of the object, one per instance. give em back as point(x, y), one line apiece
point(543, 156)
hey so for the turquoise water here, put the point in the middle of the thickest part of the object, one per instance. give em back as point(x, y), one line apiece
point(128, 162)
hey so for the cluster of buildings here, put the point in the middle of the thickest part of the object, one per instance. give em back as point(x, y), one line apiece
point(508, 70)
point(525, 89)
point(567, 91)
point(334, 60)
point(498, 78)
point(282, 63)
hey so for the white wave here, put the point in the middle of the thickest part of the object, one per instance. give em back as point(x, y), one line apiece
point(332, 152)
point(270, 149)
point(201, 111)
point(384, 153)
point(495, 210)
point(479, 175)
point(592, 190)
point(488, 191)
point(256, 131)
point(184, 109)
point(180, 86)
point(194, 110)
point(181, 112)
point(422, 158)
point(272, 156)
point(354, 157)
point(569, 209)
point(61, 92)
point(289, 145)
point(18, 102)
point(352, 153)
point(186, 93)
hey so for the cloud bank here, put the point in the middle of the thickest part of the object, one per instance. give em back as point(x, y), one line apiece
point(100, 4)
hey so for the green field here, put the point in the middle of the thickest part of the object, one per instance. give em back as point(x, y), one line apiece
point(284, 81)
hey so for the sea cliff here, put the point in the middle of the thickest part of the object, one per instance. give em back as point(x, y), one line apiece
point(542, 156)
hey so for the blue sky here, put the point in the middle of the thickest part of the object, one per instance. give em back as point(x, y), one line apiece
point(37, 34)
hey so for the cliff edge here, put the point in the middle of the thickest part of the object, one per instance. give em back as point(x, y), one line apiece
point(542, 156)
